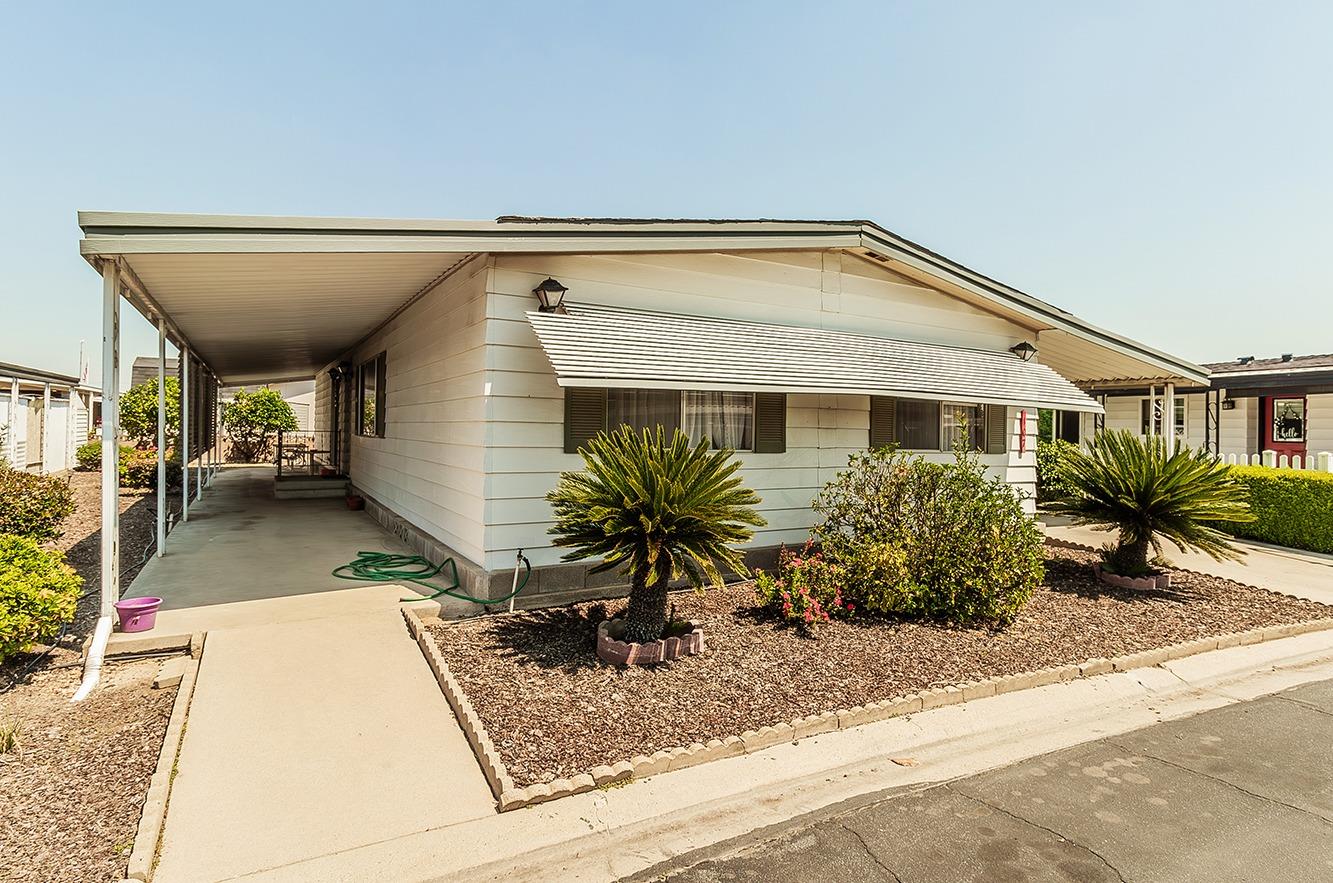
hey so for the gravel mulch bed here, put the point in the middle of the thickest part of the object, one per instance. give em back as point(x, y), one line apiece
point(553, 710)
point(71, 796)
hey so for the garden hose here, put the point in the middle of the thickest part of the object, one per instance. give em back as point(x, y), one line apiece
point(390, 567)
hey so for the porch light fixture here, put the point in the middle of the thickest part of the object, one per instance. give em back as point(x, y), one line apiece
point(1024, 351)
point(552, 296)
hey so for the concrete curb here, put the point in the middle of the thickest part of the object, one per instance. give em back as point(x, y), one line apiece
point(666, 760)
point(143, 854)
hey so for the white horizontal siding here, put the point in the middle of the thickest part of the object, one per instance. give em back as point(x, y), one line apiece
point(1319, 423)
point(524, 450)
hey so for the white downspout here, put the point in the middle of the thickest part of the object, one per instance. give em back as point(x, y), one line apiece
point(92, 666)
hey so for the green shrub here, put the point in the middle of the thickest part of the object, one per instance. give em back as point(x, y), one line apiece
point(941, 540)
point(138, 468)
point(1131, 484)
point(89, 455)
point(138, 412)
point(1291, 508)
point(38, 592)
point(33, 505)
point(806, 588)
point(1051, 455)
point(252, 421)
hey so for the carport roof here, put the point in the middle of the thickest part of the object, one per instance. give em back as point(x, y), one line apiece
point(262, 298)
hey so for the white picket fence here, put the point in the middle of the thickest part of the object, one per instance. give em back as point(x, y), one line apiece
point(1320, 462)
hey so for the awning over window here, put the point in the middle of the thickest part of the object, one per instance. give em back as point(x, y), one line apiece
point(610, 347)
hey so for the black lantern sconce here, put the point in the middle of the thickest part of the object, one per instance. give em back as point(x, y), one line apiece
point(1024, 351)
point(552, 296)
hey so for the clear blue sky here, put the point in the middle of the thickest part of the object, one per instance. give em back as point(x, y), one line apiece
point(1162, 169)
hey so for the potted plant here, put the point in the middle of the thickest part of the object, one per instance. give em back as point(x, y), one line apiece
point(654, 508)
point(1127, 483)
point(356, 502)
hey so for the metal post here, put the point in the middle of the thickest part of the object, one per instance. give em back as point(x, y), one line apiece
point(1169, 417)
point(161, 436)
point(46, 425)
point(199, 458)
point(185, 433)
point(110, 436)
point(12, 440)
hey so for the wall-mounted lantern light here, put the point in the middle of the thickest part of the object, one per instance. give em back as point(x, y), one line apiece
point(1024, 351)
point(1228, 404)
point(552, 296)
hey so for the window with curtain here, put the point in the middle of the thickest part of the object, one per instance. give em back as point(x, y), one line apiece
point(726, 419)
point(917, 425)
point(643, 408)
point(964, 424)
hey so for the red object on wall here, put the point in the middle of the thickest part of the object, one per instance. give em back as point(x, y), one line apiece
point(1283, 427)
point(1022, 432)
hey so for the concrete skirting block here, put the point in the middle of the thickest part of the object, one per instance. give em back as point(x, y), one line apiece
point(172, 672)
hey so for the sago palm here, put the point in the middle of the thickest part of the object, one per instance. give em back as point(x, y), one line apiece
point(1123, 481)
point(656, 509)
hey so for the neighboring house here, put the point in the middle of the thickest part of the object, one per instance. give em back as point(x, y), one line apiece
point(44, 417)
point(1250, 406)
point(453, 402)
point(144, 368)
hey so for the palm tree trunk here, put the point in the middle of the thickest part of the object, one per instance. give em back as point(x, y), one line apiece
point(1135, 557)
point(645, 618)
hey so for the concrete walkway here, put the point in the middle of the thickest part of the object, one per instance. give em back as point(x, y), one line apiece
point(315, 725)
point(1244, 792)
point(1303, 574)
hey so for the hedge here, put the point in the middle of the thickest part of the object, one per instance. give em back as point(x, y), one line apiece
point(33, 505)
point(38, 591)
point(1292, 508)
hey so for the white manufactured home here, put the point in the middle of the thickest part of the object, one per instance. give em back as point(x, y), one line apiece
point(459, 365)
point(44, 418)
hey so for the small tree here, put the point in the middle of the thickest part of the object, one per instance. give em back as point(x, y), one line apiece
point(656, 509)
point(138, 412)
point(252, 420)
point(1128, 483)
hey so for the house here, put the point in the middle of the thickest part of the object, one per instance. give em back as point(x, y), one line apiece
point(458, 365)
point(1278, 410)
point(44, 417)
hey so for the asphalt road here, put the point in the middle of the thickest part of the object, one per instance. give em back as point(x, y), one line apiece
point(1242, 793)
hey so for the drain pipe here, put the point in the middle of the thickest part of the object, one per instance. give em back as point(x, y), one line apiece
point(92, 666)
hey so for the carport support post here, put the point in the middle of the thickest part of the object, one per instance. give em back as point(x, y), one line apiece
point(110, 436)
point(161, 436)
point(185, 433)
point(1169, 417)
point(46, 425)
point(12, 436)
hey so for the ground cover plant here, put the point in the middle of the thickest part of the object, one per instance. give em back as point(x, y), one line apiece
point(654, 508)
point(1130, 484)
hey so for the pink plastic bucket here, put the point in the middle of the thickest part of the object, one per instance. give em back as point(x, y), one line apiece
point(137, 614)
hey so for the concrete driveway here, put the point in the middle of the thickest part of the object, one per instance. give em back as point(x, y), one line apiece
point(1241, 793)
point(1303, 574)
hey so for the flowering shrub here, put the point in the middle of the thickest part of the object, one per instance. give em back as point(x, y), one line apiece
point(33, 505)
point(806, 588)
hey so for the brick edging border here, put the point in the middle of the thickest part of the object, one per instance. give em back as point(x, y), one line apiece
point(143, 855)
point(508, 796)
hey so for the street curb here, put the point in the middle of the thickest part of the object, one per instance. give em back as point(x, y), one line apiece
point(143, 855)
point(668, 759)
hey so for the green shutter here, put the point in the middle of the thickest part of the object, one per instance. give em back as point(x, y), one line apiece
point(883, 416)
point(997, 429)
point(770, 422)
point(585, 416)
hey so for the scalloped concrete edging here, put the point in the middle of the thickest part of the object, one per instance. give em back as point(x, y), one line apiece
point(620, 652)
point(509, 796)
point(143, 855)
point(1139, 583)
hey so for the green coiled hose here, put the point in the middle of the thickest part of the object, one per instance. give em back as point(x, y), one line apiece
point(392, 567)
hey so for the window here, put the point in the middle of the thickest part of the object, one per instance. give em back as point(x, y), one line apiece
point(742, 421)
point(1288, 420)
point(726, 419)
point(370, 397)
point(964, 424)
point(643, 408)
point(917, 425)
point(1158, 405)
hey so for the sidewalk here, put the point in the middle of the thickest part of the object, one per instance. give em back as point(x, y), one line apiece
point(1244, 792)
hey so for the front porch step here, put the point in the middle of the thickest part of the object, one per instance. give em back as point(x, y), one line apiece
point(308, 488)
